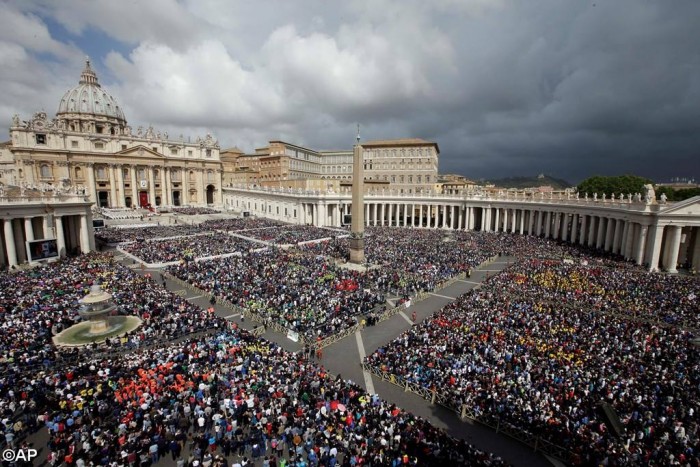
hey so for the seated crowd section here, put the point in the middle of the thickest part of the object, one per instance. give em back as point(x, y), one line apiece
point(540, 346)
point(536, 348)
point(191, 401)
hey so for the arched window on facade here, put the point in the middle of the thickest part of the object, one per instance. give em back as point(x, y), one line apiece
point(45, 171)
point(78, 173)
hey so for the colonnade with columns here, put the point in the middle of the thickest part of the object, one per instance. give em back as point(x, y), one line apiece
point(72, 231)
point(653, 235)
point(129, 184)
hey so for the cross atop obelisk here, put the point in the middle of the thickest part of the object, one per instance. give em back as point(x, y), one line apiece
point(357, 231)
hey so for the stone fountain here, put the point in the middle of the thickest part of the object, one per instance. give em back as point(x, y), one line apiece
point(98, 324)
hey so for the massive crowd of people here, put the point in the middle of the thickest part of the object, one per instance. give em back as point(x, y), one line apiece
point(241, 223)
point(194, 211)
point(188, 247)
point(295, 234)
point(228, 396)
point(200, 401)
point(38, 303)
point(113, 235)
point(540, 346)
point(537, 348)
point(305, 293)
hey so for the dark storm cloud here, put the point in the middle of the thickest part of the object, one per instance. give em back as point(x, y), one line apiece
point(504, 87)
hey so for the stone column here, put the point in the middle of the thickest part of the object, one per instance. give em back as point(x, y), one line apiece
point(112, 187)
point(151, 186)
point(220, 190)
point(574, 229)
point(610, 227)
point(185, 183)
point(119, 198)
point(591, 231)
point(600, 238)
point(522, 221)
point(322, 213)
point(631, 236)
point(60, 238)
point(134, 191)
point(506, 219)
point(45, 226)
point(366, 214)
point(674, 245)
point(538, 223)
point(623, 238)
point(460, 222)
point(496, 226)
point(531, 222)
point(20, 249)
point(10, 243)
point(84, 235)
point(619, 225)
point(582, 232)
point(28, 229)
point(164, 201)
point(513, 220)
point(92, 186)
point(641, 243)
point(565, 227)
point(654, 246)
point(382, 212)
point(696, 249)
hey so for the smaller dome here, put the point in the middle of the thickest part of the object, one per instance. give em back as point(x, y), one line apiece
point(88, 98)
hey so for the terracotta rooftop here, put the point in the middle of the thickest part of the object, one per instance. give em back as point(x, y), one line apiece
point(400, 142)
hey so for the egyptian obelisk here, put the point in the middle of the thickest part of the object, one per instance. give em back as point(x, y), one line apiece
point(357, 232)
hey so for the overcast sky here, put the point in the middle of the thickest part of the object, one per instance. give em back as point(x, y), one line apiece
point(506, 88)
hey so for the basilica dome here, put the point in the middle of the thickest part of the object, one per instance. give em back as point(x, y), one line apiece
point(89, 101)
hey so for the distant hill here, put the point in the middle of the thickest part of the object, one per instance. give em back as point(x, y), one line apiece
point(530, 182)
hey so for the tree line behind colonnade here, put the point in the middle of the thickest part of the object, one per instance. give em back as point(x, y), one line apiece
point(626, 184)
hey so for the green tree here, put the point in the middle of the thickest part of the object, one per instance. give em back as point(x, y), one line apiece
point(677, 195)
point(613, 185)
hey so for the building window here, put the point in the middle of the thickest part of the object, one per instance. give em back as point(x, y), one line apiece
point(101, 173)
point(141, 174)
point(45, 171)
point(123, 147)
point(40, 138)
point(99, 146)
point(74, 144)
point(210, 176)
point(208, 152)
point(125, 173)
point(78, 173)
point(189, 153)
point(173, 152)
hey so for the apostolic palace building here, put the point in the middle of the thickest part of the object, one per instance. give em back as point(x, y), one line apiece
point(55, 172)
